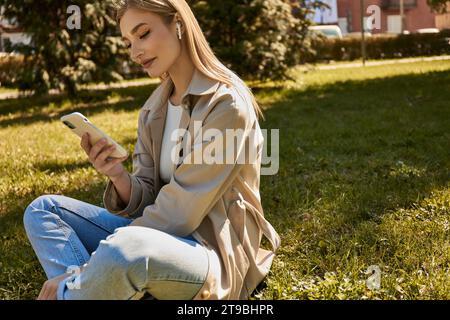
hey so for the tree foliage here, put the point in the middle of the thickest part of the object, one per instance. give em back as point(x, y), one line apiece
point(258, 39)
point(60, 57)
point(439, 5)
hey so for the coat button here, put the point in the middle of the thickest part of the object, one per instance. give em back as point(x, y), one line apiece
point(206, 294)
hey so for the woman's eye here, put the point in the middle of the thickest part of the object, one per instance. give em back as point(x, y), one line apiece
point(144, 35)
point(128, 46)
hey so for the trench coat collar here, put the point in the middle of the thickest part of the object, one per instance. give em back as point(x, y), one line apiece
point(199, 85)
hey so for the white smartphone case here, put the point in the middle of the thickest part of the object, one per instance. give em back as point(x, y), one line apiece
point(79, 125)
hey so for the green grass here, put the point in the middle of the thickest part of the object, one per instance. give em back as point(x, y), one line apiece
point(364, 179)
point(7, 90)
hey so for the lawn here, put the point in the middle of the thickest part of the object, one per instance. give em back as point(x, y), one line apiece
point(364, 178)
point(7, 90)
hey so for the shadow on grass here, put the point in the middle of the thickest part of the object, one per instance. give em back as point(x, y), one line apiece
point(90, 102)
point(351, 154)
point(58, 167)
point(359, 148)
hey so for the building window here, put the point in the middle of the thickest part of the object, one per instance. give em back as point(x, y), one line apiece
point(394, 24)
point(343, 24)
point(366, 28)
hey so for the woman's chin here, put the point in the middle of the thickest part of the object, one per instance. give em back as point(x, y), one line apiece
point(153, 73)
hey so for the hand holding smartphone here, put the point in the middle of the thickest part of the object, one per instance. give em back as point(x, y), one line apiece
point(104, 153)
point(80, 125)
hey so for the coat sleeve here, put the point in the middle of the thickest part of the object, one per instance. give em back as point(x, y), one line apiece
point(142, 181)
point(195, 187)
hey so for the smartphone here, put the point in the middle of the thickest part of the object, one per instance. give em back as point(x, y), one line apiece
point(80, 125)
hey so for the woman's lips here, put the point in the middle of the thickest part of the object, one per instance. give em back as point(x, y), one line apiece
point(148, 63)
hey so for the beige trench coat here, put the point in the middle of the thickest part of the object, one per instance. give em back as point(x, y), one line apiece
point(219, 204)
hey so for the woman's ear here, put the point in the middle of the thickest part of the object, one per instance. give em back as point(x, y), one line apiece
point(177, 19)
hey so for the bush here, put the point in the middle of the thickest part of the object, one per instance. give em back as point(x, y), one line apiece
point(10, 65)
point(59, 57)
point(258, 39)
point(380, 47)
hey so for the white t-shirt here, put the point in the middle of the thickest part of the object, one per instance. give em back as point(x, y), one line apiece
point(167, 165)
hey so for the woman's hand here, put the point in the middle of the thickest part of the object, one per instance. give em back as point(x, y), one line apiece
point(98, 157)
point(50, 287)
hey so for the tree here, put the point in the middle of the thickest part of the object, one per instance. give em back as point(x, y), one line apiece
point(61, 57)
point(259, 39)
point(439, 5)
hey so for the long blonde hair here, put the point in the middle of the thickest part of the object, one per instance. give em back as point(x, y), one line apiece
point(199, 50)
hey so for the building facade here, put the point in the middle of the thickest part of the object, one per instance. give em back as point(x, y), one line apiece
point(417, 15)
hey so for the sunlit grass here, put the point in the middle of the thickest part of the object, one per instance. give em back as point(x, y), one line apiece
point(364, 178)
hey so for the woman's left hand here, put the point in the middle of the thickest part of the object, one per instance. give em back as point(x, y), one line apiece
point(50, 287)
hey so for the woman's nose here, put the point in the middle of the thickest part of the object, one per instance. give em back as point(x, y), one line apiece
point(136, 55)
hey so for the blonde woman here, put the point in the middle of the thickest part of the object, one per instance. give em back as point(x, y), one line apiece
point(175, 228)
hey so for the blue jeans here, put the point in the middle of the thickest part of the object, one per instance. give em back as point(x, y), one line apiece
point(119, 261)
